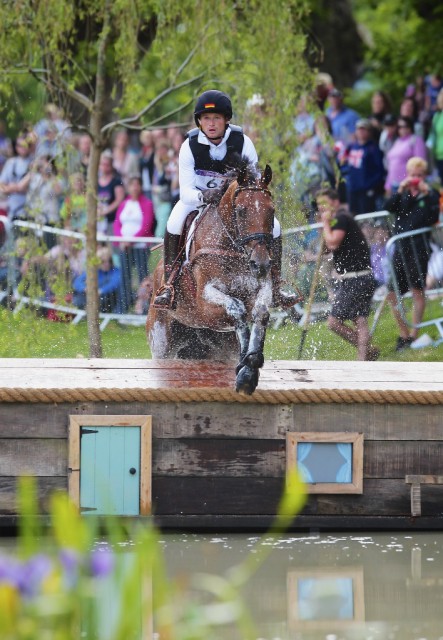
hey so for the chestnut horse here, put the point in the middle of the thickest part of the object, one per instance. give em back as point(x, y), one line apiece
point(224, 291)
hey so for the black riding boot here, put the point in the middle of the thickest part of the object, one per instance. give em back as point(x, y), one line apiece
point(165, 295)
point(280, 298)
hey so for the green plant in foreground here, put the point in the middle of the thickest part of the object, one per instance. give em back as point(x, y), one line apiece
point(71, 583)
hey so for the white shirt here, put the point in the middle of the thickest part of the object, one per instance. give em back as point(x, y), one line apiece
point(131, 218)
point(190, 183)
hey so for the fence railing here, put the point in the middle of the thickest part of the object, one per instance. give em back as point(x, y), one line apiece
point(47, 253)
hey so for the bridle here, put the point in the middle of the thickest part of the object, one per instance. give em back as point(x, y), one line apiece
point(240, 242)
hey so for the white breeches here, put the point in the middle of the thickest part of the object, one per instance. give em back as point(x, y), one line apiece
point(180, 211)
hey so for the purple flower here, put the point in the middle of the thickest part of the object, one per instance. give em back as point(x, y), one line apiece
point(101, 561)
point(32, 574)
point(70, 561)
point(10, 571)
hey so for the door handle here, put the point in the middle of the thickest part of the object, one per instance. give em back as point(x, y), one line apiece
point(132, 471)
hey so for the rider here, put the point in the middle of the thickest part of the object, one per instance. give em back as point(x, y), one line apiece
point(205, 156)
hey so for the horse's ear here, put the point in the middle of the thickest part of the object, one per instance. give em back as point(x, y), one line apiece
point(267, 175)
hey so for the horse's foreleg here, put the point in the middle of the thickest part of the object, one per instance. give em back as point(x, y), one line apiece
point(236, 312)
point(253, 360)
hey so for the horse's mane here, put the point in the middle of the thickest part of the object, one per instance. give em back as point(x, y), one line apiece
point(242, 165)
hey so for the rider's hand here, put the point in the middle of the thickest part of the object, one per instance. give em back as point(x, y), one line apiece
point(212, 196)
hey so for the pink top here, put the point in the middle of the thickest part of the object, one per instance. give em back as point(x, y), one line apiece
point(135, 218)
point(399, 154)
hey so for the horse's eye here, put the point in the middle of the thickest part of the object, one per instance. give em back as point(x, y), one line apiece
point(240, 211)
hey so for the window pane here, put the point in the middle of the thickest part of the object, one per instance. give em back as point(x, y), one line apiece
point(325, 462)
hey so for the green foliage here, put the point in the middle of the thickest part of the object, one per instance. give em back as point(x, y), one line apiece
point(57, 586)
point(403, 38)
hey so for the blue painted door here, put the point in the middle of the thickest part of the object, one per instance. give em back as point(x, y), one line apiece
point(110, 470)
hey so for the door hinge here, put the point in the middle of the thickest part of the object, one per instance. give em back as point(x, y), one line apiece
point(88, 509)
point(85, 431)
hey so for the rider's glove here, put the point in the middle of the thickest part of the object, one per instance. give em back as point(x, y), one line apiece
point(212, 196)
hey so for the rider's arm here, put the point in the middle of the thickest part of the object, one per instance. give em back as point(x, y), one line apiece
point(189, 194)
point(249, 150)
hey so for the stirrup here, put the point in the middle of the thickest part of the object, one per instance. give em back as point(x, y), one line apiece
point(166, 301)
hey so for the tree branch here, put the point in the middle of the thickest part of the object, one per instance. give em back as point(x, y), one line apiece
point(39, 74)
point(126, 122)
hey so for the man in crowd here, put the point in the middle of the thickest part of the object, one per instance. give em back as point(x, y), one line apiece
point(353, 282)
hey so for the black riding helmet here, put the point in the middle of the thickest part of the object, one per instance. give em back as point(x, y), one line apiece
point(213, 102)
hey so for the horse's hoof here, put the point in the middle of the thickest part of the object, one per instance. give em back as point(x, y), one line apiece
point(247, 380)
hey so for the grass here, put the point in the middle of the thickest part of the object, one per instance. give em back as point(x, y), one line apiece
point(25, 336)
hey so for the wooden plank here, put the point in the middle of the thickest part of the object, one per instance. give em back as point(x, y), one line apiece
point(142, 374)
point(217, 457)
point(377, 422)
point(397, 459)
point(170, 420)
point(146, 466)
point(45, 487)
point(332, 366)
point(423, 479)
point(260, 496)
point(37, 457)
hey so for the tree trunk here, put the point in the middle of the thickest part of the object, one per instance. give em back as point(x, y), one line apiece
point(96, 115)
point(92, 301)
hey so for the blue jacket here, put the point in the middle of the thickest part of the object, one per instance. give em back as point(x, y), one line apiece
point(108, 281)
point(364, 168)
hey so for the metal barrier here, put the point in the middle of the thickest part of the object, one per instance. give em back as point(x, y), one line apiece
point(43, 263)
point(404, 245)
point(28, 240)
point(297, 244)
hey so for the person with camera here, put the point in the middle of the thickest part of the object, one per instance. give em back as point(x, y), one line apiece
point(414, 206)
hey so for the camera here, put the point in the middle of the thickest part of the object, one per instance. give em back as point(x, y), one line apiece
point(414, 182)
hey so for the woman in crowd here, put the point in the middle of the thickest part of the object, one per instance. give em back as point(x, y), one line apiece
point(135, 218)
point(406, 146)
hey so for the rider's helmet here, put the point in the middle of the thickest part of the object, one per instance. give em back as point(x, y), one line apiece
point(213, 101)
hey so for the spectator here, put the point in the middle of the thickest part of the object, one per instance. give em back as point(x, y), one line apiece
point(435, 138)
point(314, 165)
point(58, 267)
point(11, 178)
point(364, 171)
point(342, 118)
point(433, 85)
point(74, 209)
point(110, 193)
point(84, 152)
point(45, 188)
point(353, 285)
point(53, 132)
point(109, 281)
point(323, 85)
point(135, 218)
point(380, 107)
point(406, 146)
point(415, 205)
point(388, 136)
point(124, 162)
point(161, 185)
point(409, 109)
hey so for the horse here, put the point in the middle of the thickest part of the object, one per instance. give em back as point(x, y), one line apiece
point(224, 290)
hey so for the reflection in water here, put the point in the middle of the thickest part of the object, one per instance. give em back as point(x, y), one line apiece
point(376, 586)
point(326, 587)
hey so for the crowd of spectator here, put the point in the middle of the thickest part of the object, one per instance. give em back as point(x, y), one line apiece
point(363, 156)
point(380, 159)
point(43, 179)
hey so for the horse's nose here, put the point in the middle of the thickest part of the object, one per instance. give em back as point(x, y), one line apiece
point(260, 268)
